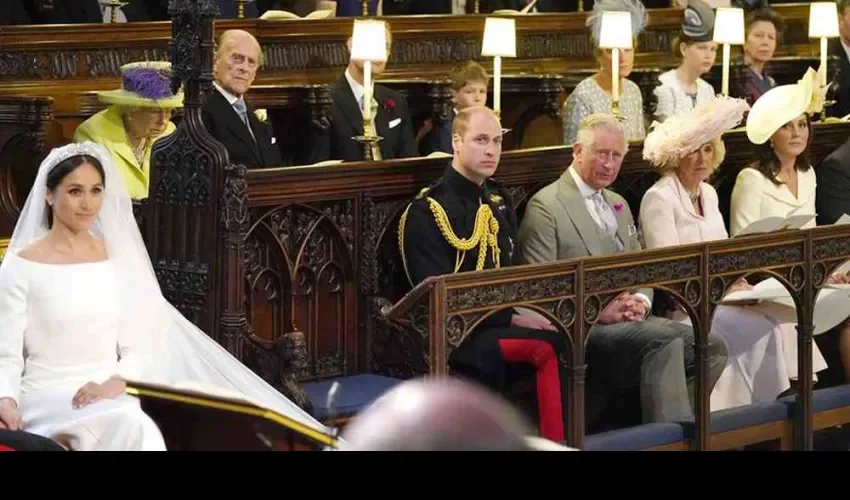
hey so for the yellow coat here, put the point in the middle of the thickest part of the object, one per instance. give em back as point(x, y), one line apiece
point(107, 129)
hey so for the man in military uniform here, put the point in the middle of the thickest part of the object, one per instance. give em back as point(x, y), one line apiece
point(465, 222)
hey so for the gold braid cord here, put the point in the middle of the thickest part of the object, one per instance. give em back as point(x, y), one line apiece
point(484, 234)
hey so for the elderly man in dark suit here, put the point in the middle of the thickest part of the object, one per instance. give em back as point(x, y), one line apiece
point(333, 140)
point(577, 216)
point(227, 117)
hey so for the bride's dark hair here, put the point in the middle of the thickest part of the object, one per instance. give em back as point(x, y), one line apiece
point(61, 170)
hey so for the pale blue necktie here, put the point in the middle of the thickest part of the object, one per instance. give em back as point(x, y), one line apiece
point(607, 218)
point(242, 110)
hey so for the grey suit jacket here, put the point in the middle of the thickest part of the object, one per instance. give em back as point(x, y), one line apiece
point(557, 226)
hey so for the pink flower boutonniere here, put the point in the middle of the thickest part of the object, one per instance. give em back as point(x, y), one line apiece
point(618, 207)
point(389, 103)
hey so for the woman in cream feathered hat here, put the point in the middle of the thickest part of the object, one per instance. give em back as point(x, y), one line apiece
point(138, 115)
point(682, 208)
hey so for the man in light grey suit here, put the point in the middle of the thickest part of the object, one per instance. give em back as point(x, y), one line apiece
point(576, 216)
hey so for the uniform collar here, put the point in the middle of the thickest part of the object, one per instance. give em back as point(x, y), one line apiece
point(462, 186)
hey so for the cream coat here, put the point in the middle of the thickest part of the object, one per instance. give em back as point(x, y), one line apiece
point(756, 197)
point(667, 216)
point(762, 349)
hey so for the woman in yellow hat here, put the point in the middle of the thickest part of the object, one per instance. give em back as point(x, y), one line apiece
point(140, 113)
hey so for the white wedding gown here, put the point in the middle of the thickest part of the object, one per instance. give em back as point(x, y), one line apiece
point(60, 330)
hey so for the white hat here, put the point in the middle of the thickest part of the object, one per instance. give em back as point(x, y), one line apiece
point(780, 105)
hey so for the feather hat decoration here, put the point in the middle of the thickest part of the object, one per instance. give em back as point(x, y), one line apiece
point(144, 84)
point(635, 7)
point(686, 131)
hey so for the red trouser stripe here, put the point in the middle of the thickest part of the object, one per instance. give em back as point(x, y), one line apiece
point(542, 356)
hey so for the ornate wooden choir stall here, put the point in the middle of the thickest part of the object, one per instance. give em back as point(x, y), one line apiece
point(295, 270)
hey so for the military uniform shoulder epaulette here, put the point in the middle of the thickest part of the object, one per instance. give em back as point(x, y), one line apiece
point(428, 189)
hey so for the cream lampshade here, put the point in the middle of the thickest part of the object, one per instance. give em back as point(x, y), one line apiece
point(728, 31)
point(823, 24)
point(823, 20)
point(369, 44)
point(615, 34)
point(499, 41)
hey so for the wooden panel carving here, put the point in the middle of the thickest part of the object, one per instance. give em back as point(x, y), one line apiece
point(789, 255)
point(379, 192)
point(299, 272)
point(183, 231)
point(67, 61)
point(556, 40)
point(23, 123)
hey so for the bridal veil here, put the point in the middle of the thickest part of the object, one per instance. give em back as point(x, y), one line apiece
point(178, 352)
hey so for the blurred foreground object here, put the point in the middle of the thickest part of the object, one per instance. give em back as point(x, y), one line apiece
point(441, 415)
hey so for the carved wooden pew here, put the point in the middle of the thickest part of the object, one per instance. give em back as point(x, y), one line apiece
point(69, 60)
point(254, 257)
point(530, 104)
point(443, 310)
point(321, 250)
point(23, 126)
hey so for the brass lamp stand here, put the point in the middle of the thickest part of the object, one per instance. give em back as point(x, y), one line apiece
point(368, 140)
point(240, 8)
point(115, 4)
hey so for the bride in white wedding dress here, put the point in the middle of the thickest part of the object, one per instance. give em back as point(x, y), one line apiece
point(81, 313)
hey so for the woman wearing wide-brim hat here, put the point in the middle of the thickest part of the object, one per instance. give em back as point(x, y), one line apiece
point(683, 208)
point(781, 181)
point(139, 114)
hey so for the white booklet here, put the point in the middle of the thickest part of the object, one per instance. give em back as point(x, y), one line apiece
point(832, 304)
point(771, 224)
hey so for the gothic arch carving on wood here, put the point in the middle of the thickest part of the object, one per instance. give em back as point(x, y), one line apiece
point(300, 276)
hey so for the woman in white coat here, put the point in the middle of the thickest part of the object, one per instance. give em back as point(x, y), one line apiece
point(782, 182)
point(682, 208)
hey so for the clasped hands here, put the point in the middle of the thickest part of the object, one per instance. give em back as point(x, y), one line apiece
point(10, 417)
point(624, 308)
